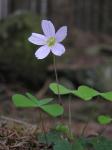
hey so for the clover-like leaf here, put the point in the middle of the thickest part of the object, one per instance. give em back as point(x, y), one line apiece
point(20, 100)
point(85, 92)
point(59, 89)
point(44, 101)
point(107, 95)
point(33, 98)
point(53, 109)
point(103, 119)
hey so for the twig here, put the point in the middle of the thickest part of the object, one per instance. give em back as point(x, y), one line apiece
point(84, 128)
point(16, 121)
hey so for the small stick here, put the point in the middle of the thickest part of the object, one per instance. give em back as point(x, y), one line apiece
point(84, 129)
point(16, 121)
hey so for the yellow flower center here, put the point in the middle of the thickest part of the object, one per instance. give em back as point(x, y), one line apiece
point(51, 41)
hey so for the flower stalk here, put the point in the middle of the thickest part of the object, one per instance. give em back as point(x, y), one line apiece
point(57, 80)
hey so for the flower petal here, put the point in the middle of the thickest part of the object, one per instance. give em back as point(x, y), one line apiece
point(58, 49)
point(42, 52)
point(61, 34)
point(37, 39)
point(48, 28)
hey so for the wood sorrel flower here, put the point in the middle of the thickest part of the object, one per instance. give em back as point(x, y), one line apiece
point(50, 41)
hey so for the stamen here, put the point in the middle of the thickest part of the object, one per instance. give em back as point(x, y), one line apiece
point(51, 41)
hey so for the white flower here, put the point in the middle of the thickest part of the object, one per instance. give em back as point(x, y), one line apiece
point(50, 41)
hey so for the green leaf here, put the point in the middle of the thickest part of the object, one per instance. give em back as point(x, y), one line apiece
point(77, 145)
point(63, 145)
point(39, 102)
point(85, 92)
point(107, 95)
point(22, 101)
point(52, 137)
point(62, 128)
point(101, 143)
point(53, 109)
point(59, 89)
point(44, 101)
point(33, 98)
point(103, 119)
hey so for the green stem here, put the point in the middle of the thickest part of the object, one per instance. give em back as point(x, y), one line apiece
point(57, 81)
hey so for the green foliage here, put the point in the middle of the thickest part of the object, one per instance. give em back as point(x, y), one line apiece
point(95, 143)
point(58, 141)
point(84, 92)
point(77, 145)
point(52, 137)
point(107, 96)
point(22, 101)
point(45, 101)
point(55, 138)
point(53, 109)
point(63, 145)
point(16, 53)
point(62, 128)
point(101, 143)
point(33, 98)
point(103, 119)
point(59, 89)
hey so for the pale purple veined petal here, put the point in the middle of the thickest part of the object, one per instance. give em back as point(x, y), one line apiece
point(42, 52)
point(61, 34)
point(37, 39)
point(48, 28)
point(58, 49)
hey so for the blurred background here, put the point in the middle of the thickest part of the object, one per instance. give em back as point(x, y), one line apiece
point(88, 57)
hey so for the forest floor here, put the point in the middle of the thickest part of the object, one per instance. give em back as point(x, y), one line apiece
point(19, 127)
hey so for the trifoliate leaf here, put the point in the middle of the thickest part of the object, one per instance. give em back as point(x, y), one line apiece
point(22, 101)
point(103, 119)
point(107, 95)
point(44, 101)
point(33, 98)
point(85, 92)
point(53, 109)
point(59, 89)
